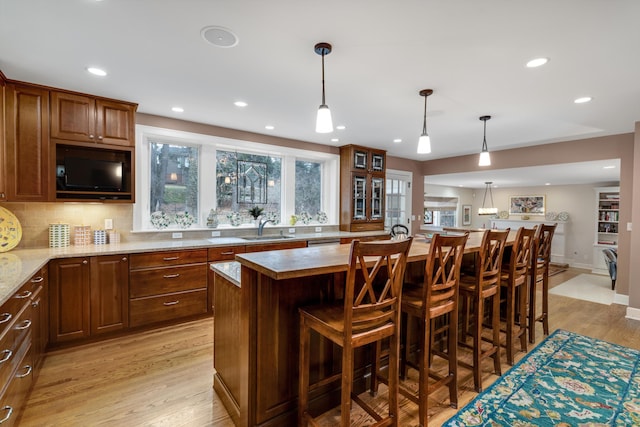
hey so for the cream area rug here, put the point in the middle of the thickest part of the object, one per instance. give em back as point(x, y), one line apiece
point(588, 287)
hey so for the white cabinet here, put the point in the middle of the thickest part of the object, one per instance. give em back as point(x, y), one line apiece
point(558, 254)
point(606, 225)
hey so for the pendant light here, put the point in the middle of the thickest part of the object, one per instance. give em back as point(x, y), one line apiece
point(424, 143)
point(485, 158)
point(491, 210)
point(324, 123)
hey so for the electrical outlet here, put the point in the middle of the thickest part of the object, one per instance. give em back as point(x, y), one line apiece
point(176, 235)
point(108, 224)
point(292, 230)
point(318, 229)
point(215, 234)
point(629, 226)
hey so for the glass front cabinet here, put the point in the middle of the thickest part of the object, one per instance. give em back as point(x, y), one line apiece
point(362, 180)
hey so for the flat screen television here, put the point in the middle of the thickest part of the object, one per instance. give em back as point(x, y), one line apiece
point(92, 174)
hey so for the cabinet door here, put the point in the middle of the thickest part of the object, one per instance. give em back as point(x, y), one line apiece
point(115, 123)
point(359, 198)
point(73, 117)
point(69, 299)
point(109, 293)
point(376, 207)
point(27, 143)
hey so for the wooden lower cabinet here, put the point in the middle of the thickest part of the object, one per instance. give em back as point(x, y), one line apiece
point(20, 328)
point(167, 285)
point(88, 296)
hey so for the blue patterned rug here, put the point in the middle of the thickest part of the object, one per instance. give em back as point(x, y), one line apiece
point(567, 380)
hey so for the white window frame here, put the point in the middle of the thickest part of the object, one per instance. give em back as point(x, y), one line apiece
point(208, 145)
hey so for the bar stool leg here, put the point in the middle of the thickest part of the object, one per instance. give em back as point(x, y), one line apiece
point(304, 362)
point(347, 381)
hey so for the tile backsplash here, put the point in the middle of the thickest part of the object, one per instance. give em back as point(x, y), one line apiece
point(36, 217)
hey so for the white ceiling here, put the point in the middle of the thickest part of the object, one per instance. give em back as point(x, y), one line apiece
point(471, 53)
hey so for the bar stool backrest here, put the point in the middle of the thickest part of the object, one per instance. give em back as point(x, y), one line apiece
point(489, 262)
point(374, 284)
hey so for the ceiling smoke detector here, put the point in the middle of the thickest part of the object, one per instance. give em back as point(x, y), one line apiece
point(219, 36)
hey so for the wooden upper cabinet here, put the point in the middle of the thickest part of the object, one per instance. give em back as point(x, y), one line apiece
point(27, 144)
point(76, 117)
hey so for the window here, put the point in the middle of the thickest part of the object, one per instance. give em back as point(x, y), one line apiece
point(440, 211)
point(180, 171)
point(173, 173)
point(308, 187)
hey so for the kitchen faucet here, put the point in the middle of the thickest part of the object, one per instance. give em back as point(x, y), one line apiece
point(261, 225)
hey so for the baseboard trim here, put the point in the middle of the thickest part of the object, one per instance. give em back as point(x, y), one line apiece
point(621, 299)
point(633, 313)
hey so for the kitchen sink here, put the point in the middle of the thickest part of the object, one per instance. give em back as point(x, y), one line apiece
point(276, 237)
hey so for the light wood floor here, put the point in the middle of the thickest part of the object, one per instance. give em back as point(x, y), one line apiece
point(164, 377)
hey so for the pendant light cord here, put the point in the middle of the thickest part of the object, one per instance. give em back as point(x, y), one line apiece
point(484, 140)
point(323, 101)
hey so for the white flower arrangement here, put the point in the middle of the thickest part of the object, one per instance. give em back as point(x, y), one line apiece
point(322, 217)
point(160, 220)
point(305, 218)
point(184, 219)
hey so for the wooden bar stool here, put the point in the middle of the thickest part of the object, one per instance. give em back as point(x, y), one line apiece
point(369, 313)
point(474, 291)
point(514, 288)
point(539, 271)
point(436, 299)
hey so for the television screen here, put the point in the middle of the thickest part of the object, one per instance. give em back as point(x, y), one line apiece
point(92, 174)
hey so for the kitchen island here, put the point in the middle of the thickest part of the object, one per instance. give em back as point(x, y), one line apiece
point(256, 334)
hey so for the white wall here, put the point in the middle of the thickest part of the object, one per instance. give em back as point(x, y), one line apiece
point(578, 200)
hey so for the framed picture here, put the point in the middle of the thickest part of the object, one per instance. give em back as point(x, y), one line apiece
point(466, 214)
point(428, 216)
point(526, 205)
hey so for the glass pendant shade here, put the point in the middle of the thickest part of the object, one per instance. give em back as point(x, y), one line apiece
point(485, 159)
point(324, 124)
point(424, 144)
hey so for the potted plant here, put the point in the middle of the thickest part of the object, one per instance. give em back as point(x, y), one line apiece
point(255, 212)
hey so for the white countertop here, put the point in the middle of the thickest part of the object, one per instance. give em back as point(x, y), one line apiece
point(17, 266)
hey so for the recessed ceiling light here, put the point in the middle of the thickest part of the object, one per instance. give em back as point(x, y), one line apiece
point(341, 127)
point(397, 140)
point(269, 127)
point(219, 36)
point(240, 104)
point(537, 62)
point(97, 71)
point(334, 140)
point(177, 109)
point(547, 183)
point(608, 167)
point(582, 100)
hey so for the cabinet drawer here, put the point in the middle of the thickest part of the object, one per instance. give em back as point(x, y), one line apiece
point(10, 309)
point(225, 253)
point(15, 394)
point(277, 246)
point(144, 311)
point(166, 280)
point(167, 258)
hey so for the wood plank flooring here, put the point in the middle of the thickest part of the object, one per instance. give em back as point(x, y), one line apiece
point(164, 377)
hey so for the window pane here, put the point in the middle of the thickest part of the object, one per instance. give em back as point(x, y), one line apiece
point(173, 178)
point(247, 180)
point(308, 188)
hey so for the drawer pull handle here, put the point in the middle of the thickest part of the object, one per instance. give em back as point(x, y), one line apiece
point(37, 279)
point(8, 354)
point(25, 325)
point(5, 317)
point(171, 276)
point(25, 294)
point(227, 253)
point(167, 304)
point(9, 410)
point(28, 371)
point(170, 258)
point(35, 304)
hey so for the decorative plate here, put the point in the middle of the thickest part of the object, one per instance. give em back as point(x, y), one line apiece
point(504, 214)
point(551, 216)
point(10, 230)
point(563, 216)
